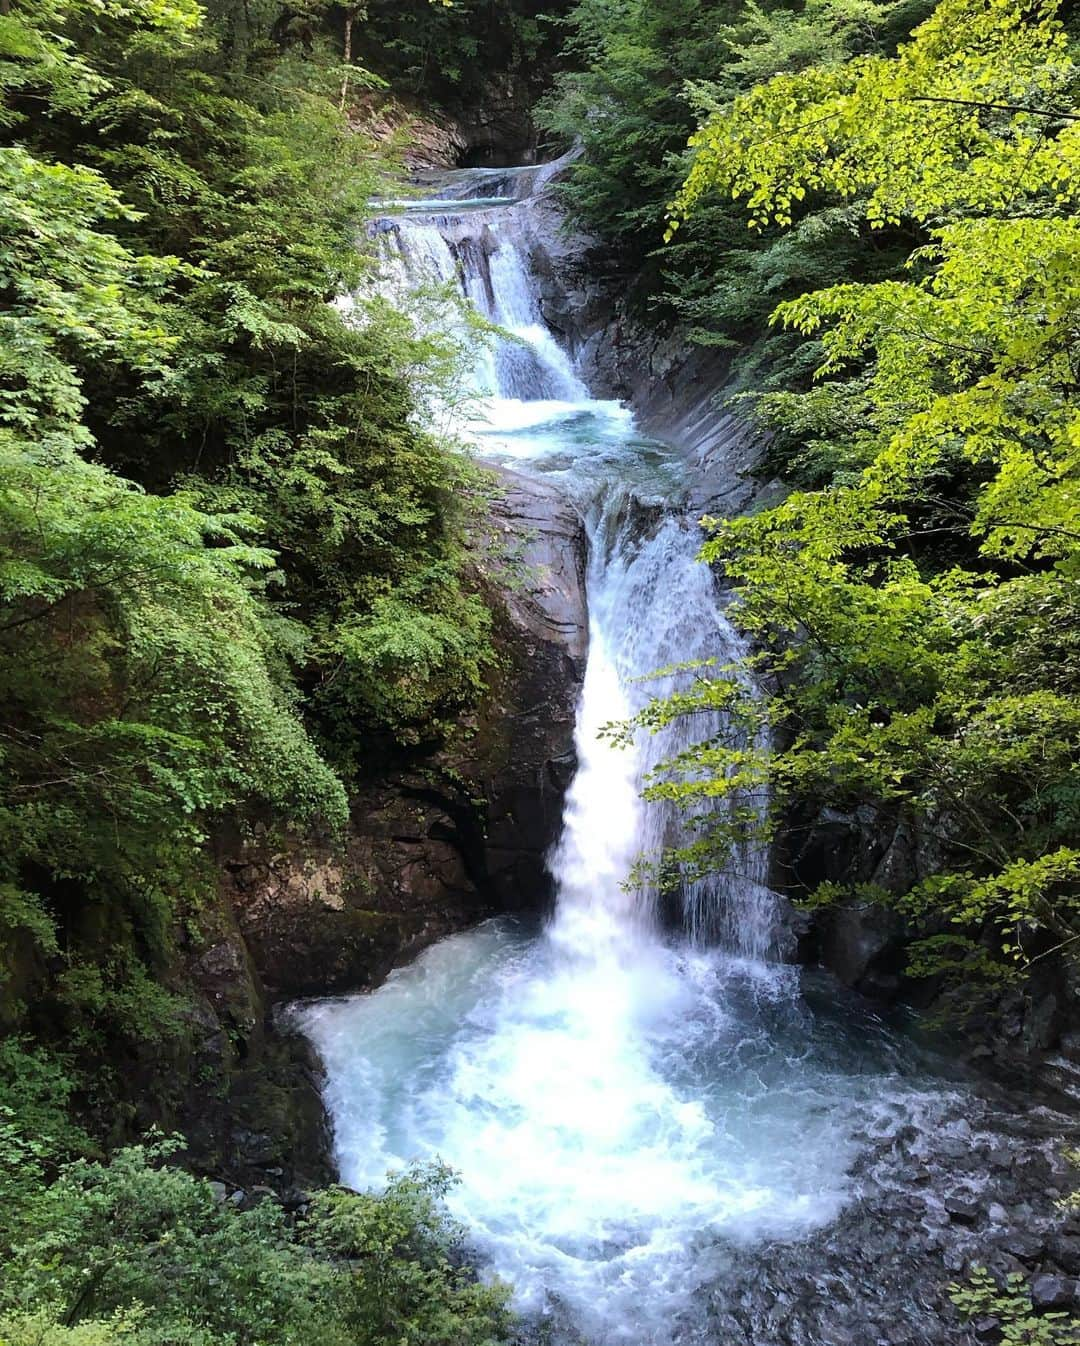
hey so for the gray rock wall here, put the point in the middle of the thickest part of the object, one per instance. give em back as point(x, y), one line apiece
point(437, 844)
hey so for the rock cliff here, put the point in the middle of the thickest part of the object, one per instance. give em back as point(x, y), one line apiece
point(433, 845)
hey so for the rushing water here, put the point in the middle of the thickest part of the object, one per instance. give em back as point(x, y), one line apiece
point(622, 1105)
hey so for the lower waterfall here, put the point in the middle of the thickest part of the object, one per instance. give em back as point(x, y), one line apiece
point(623, 1105)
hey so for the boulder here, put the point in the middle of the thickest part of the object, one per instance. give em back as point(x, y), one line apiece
point(1052, 1292)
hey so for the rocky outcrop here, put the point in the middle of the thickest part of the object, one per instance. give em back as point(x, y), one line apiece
point(861, 941)
point(498, 127)
point(495, 131)
point(439, 843)
point(521, 752)
point(432, 847)
point(977, 1184)
point(428, 139)
point(677, 391)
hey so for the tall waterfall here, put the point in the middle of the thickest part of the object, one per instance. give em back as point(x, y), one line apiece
point(651, 603)
point(621, 1103)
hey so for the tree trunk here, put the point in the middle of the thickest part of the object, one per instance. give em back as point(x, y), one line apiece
point(349, 13)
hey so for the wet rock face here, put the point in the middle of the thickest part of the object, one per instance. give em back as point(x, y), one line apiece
point(521, 754)
point(435, 846)
point(245, 1096)
point(498, 129)
point(863, 943)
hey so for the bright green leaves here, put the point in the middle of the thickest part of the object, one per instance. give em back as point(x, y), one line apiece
point(416, 657)
point(171, 16)
point(984, 1296)
point(942, 128)
point(160, 706)
point(138, 1251)
point(75, 294)
point(42, 58)
point(975, 361)
point(914, 616)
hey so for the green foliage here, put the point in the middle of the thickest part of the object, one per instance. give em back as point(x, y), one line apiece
point(644, 73)
point(414, 1287)
point(35, 1126)
point(139, 701)
point(1010, 1304)
point(941, 128)
point(915, 615)
point(224, 527)
point(136, 1250)
point(444, 49)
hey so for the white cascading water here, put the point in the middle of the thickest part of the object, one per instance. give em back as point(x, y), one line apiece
point(620, 1104)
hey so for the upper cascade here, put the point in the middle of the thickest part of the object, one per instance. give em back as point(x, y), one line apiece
point(467, 238)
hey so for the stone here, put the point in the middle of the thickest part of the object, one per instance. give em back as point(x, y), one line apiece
point(962, 1209)
point(955, 1260)
point(1065, 1250)
point(997, 1213)
point(465, 834)
point(254, 1147)
point(855, 938)
point(219, 1191)
point(952, 1149)
point(1052, 1292)
point(1023, 1244)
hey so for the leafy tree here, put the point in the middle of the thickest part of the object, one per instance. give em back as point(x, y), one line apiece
point(643, 75)
point(913, 615)
point(138, 1250)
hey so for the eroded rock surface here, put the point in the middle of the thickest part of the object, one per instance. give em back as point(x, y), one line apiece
point(441, 842)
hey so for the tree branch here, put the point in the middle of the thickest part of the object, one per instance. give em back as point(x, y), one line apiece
point(999, 107)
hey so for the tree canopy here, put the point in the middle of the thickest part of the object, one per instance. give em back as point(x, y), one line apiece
point(915, 614)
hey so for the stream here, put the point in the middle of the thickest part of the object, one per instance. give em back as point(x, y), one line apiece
point(661, 1137)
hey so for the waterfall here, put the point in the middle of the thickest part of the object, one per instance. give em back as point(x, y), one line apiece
point(623, 1103)
point(491, 268)
point(651, 603)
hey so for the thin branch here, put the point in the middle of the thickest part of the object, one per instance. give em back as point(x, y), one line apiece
point(1053, 113)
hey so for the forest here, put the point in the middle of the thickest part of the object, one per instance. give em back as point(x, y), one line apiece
point(240, 575)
